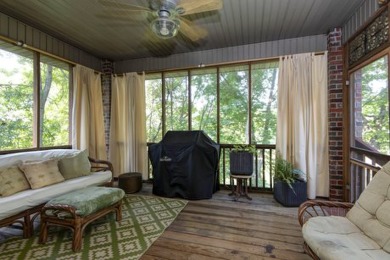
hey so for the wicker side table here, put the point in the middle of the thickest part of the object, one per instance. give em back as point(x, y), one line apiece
point(130, 182)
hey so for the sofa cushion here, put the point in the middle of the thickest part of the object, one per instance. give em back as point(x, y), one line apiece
point(371, 212)
point(75, 166)
point(40, 174)
point(334, 237)
point(12, 180)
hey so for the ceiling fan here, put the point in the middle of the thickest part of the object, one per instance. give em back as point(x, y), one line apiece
point(166, 17)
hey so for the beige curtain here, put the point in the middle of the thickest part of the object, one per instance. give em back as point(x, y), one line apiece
point(128, 150)
point(302, 125)
point(88, 119)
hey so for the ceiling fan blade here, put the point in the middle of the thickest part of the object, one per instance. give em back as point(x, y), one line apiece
point(128, 15)
point(129, 7)
point(156, 46)
point(191, 30)
point(199, 6)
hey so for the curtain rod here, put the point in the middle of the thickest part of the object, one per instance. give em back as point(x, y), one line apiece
point(31, 48)
point(275, 58)
point(122, 74)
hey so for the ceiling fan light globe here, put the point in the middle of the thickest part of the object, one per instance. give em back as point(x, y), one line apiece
point(165, 28)
point(164, 31)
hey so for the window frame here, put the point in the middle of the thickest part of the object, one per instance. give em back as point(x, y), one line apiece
point(351, 116)
point(218, 68)
point(36, 68)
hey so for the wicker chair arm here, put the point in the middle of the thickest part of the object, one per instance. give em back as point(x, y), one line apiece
point(60, 210)
point(103, 165)
point(313, 208)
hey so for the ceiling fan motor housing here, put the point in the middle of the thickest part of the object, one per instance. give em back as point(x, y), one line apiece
point(163, 4)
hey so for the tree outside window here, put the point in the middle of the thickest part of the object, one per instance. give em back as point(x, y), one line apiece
point(371, 107)
point(18, 115)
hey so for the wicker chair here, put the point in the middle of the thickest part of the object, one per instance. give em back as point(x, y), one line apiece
point(313, 208)
point(340, 230)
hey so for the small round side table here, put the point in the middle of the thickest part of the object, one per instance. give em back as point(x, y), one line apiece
point(130, 182)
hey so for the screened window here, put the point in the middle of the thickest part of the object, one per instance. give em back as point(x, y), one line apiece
point(264, 105)
point(204, 101)
point(154, 105)
point(54, 103)
point(371, 107)
point(233, 104)
point(176, 100)
point(16, 99)
point(19, 110)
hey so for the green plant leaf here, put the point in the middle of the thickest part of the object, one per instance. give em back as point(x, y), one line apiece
point(284, 171)
point(250, 148)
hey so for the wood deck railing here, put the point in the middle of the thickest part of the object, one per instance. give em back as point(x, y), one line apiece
point(363, 165)
point(262, 169)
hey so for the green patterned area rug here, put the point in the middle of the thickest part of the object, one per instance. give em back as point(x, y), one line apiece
point(144, 219)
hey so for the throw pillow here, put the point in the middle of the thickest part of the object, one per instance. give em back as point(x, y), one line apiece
point(75, 166)
point(12, 180)
point(41, 174)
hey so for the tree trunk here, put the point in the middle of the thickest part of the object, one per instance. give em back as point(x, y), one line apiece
point(44, 94)
point(271, 98)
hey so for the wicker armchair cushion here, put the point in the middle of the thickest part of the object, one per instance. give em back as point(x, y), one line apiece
point(371, 212)
point(364, 232)
point(334, 237)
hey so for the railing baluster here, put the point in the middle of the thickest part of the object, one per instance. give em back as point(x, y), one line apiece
point(223, 167)
point(256, 169)
point(270, 169)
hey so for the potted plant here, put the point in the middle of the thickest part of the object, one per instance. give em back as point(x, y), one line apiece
point(290, 188)
point(241, 159)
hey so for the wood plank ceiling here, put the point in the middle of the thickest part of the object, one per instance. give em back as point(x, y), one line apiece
point(111, 33)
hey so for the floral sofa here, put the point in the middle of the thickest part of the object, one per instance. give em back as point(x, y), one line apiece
point(338, 230)
point(29, 179)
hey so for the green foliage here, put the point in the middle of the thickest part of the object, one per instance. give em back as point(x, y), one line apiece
point(153, 93)
point(176, 101)
point(17, 102)
point(234, 103)
point(55, 110)
point(16, 99)
point(204, 101)
point(249, 148)
point(374, 110)
point(284, 171)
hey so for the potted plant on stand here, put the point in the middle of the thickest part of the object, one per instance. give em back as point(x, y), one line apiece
point(290, 187)
point(241, 168)
point(241, 159)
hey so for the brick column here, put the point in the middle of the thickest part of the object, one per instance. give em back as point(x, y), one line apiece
point(108, 70)
point(335, 114)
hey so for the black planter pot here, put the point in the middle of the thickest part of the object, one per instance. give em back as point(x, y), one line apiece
point(241, 163)
point(286, 196)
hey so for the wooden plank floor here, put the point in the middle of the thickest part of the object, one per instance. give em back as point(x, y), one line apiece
point(221, 228)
